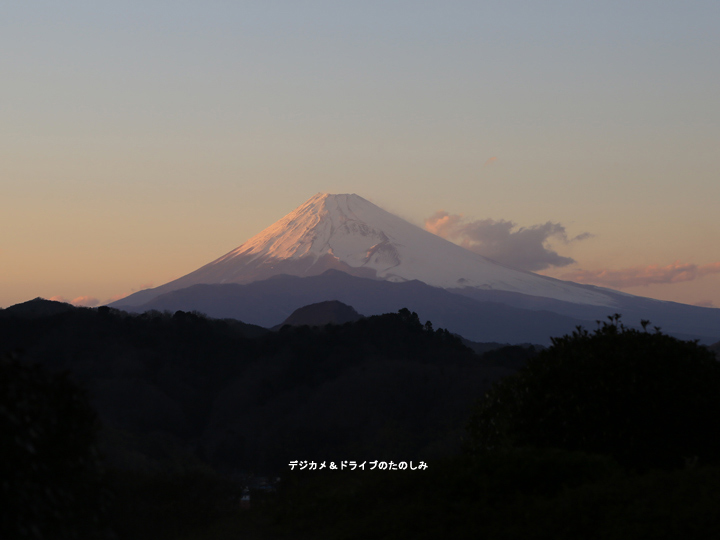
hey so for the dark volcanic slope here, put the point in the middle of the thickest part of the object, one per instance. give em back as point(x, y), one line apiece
point(267, 303)
point(681, 320)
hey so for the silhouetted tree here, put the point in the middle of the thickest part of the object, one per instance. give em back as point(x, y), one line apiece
point(645, 399)
point(51, 476)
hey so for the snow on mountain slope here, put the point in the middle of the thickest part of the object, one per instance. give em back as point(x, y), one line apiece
point(347, 232)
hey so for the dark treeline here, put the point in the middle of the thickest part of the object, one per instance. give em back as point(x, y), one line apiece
point(245, 399)
point(605, 434)
point(610, 434)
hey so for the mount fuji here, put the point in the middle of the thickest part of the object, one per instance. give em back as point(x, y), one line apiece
point(349, 234)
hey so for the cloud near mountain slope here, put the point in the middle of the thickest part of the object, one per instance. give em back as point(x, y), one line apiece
point(526, 247)
point(643, 275)
point(80, 301)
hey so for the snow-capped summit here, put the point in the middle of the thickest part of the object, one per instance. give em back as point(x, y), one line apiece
point(348, 233)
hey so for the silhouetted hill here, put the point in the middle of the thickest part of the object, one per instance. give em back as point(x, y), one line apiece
point(38, 307)
point(320, 314)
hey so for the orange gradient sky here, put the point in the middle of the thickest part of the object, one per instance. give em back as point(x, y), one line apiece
point(141, 140)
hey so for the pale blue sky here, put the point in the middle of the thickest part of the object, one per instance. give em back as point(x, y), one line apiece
point(140, 140)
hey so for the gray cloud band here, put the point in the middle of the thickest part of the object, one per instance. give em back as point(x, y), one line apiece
point(644, 275)
point(524, 248)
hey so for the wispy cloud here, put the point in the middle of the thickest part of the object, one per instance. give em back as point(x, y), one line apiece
point(490, 161)
point(525, 247)
point(643, 275)
point(91, 301)
point(85, 301)
point(81, 301)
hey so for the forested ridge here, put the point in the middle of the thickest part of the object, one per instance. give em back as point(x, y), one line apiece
point(243, 398)
point(189, 408)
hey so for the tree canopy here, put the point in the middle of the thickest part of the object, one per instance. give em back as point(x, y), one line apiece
point(52, 477)
point(644, 398)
